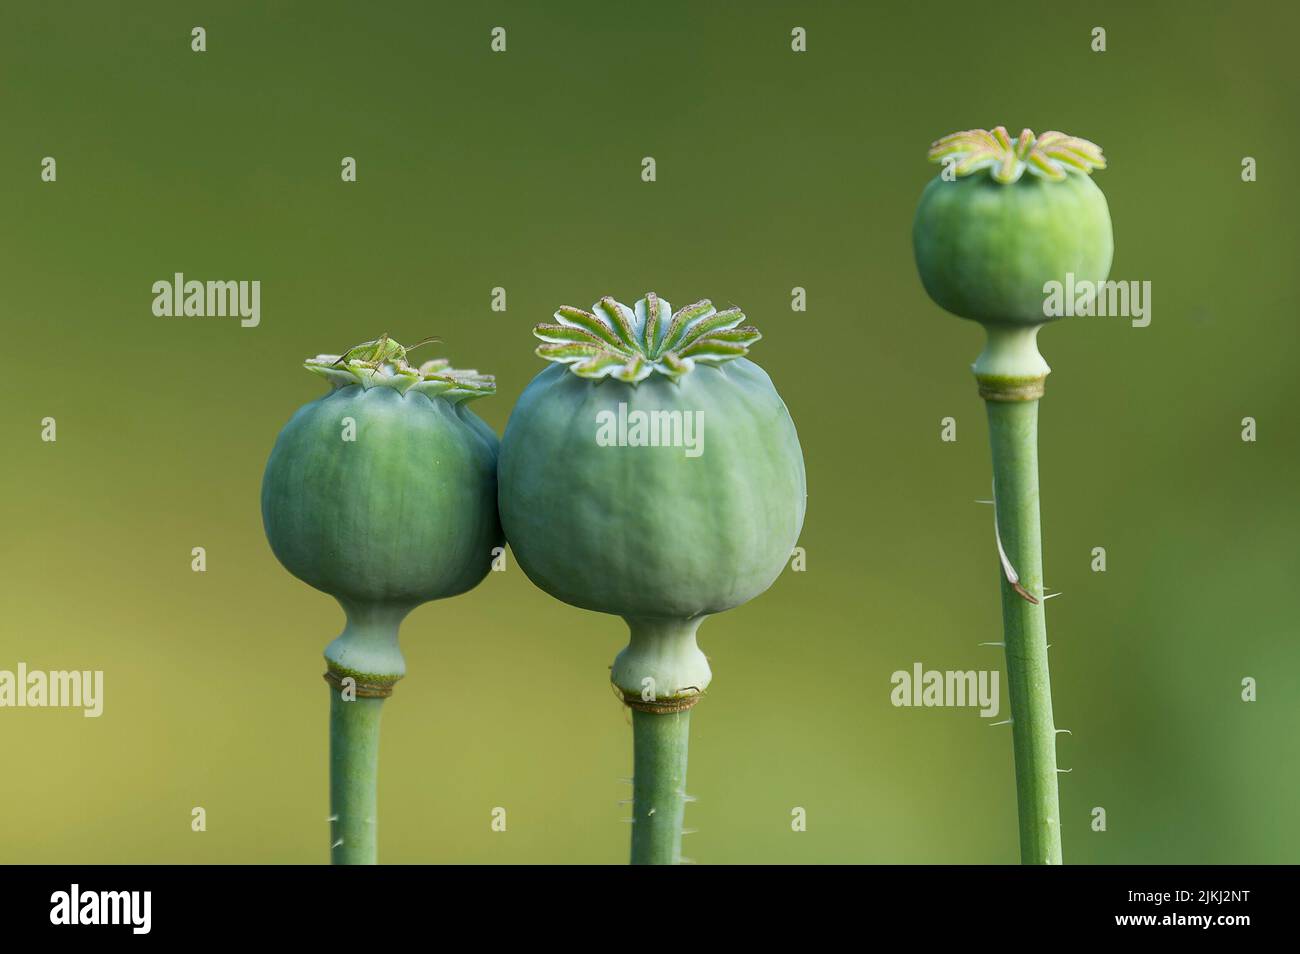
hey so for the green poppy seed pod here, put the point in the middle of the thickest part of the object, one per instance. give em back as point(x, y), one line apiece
point(654, 473)
point(382, 493)
point(989, 240)
point(998, 246)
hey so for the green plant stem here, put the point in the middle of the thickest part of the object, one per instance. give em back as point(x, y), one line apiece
point(659, 743)
point(354, 779)
point(1013, 429)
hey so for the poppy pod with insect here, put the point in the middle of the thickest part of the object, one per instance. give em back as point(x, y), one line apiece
point(1002, 224)
point(381, 493)
point(654, 473)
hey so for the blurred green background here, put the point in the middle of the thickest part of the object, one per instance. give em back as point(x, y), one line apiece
point(522, 170)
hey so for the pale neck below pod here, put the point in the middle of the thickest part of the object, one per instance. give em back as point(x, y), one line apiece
point(381, 493)
point(1006, 218)
point(654, 473)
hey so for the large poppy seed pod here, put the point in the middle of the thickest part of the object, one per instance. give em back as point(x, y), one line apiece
point(989, 238)
point(654, 473)
point(661, 535)
point(382, 493)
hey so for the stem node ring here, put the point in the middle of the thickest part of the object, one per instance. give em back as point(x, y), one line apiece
point(666, 707)
point(1011, 389)
point(364, 690)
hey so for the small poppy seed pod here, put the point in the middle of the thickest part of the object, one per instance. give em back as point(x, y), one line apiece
point(382, 493)
point(1005, 219)
point(992, 244)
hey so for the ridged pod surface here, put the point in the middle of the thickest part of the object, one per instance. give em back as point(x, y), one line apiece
point(649, 531)
point(404, 514)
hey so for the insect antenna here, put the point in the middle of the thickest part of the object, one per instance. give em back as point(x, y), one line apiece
point(421, 343)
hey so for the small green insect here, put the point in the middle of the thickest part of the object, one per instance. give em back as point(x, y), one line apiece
point(383, 350)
